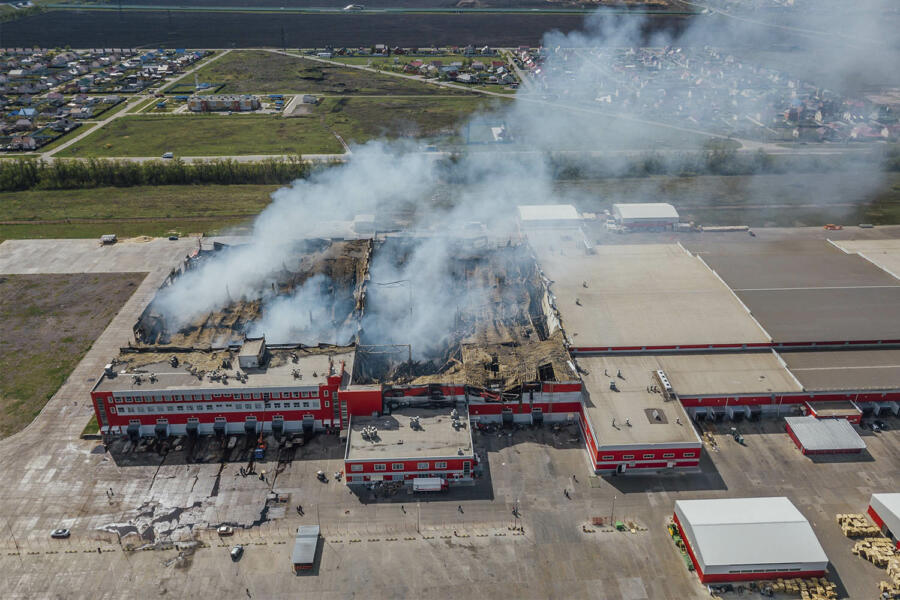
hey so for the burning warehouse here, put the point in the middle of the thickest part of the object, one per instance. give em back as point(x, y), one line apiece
point(379, 333)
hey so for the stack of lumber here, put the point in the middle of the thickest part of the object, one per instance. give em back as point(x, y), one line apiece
point(890, 589)
point(815, 588)
point(877, 551)
point(854, 526)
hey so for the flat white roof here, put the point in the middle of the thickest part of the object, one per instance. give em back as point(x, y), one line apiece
point(748, 532)
point(825, 434)
point(645, 210)
point(638, 294)
point(548, 212)
point(888, 508)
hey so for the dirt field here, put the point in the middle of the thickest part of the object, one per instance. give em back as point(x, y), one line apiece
point(48, 323)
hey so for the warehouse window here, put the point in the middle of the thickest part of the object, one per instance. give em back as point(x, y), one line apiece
point(296, 405)
point(256, 396)
point(278, 405)
point(396, 466)
point(440, 465)
point(325, 393)
point(306, 405)
point(422, 466)
point(127, 399)
point(296, 394)
point(649, 455)
point(669, 455)
point(327, 404)
point(180, 408)
point(628, 457)
point(607, 457)
point(209, 407)
point(112, 409)
point(356, 467)
point(380, 468)
point(689, 454)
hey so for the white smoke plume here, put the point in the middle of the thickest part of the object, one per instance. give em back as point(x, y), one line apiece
point(566, 110)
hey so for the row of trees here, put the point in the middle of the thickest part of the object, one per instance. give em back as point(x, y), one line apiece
point(24, 174)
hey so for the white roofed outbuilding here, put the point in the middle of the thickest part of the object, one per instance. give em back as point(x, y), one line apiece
point(645, 215)
point(742, 539)
point(548, 215)
point(885, 511)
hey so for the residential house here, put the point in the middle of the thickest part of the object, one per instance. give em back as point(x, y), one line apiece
point(24, 142)
point(23, 125)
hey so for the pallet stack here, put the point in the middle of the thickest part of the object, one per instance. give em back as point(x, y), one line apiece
point(815, 588)
point(890, 589)
point(877, 550)
point(856, 526)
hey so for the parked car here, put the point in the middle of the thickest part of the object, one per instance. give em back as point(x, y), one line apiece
point(237, 552)
point(882, 425)
point(168, 155)
point(173, 238)
point(60, 534)
point(225, 530)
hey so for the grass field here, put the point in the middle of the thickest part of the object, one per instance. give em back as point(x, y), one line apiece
point(362, 119)
point(150, 210)
point(49, 322)
point(206, 135)
point(261, 72)
point(64, 138)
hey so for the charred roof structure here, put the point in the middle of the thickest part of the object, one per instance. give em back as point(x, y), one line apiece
point(331, 269)
point(499, 336)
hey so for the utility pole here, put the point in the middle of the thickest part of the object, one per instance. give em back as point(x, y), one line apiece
point(418, 517)
point(612, 511)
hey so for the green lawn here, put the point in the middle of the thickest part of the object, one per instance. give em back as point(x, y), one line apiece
point(361, 119)
point(64, 138)
point(262, 72)
point(150, 210)
point(206, 135)
point(49, 322)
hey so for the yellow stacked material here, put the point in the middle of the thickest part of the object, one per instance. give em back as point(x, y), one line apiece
point(807, 589)
point(854, 526)
point(876, 550)
point(891, 587)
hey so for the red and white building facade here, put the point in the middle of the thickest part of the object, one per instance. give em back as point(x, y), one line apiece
point(164, 399)
point(410, 443)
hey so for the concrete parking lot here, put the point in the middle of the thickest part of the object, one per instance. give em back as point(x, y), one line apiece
point(457, 545)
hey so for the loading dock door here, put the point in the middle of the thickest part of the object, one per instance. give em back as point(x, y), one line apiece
point(134, 433)
point(250, 427)
point(507, 416)
point(309, 424)
point(192, 429)
point(219, 428)
point(161, 430)
point(278, 427)
point(537, 417)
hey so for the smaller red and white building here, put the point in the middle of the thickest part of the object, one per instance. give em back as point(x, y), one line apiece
point(630, 421)
point(410, 443)
point(743, 539)
point(837, 409)
point(885, 511)
point(824, 436)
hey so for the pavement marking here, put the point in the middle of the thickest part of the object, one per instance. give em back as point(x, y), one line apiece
point(835, 287)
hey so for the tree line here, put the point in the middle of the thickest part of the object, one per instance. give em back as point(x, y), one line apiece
point(25, 174)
